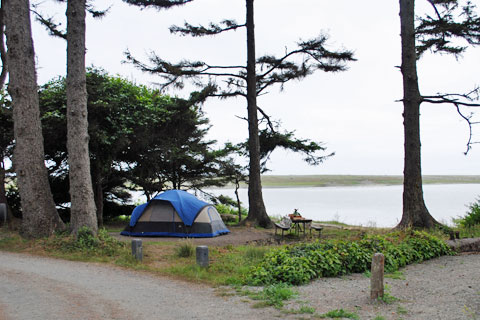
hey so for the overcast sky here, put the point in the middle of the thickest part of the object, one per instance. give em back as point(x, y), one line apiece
point(354, 113)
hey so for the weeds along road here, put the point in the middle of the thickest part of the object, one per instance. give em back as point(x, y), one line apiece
point(43, 288)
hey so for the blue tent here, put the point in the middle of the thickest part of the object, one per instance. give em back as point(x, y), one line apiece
point(175, 213)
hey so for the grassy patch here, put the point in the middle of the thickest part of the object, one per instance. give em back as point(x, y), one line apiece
point(184, 250)
point(401, 310)
point(273, 295)
point(397, 275)
point(339, 313)
point(229, 265)
point(387, 296)
point(304, 309)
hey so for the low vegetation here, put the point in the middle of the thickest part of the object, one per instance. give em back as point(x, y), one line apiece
point(469, 225)
point(298, 264)
point(339, 314)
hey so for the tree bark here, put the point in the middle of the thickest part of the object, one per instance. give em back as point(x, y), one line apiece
point(257, 215)
point(99, 203)
point(415, 213)
point(3, 52)
point(239, 204)
point(40, 217)
point(83, 211)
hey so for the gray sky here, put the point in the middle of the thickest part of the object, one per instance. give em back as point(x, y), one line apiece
point(354, 113)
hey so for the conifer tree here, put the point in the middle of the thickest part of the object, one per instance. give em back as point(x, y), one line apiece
point(40, 217)
point(436, 33)
point(249, 82)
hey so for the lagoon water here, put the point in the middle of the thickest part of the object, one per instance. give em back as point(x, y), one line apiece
point(379, 206)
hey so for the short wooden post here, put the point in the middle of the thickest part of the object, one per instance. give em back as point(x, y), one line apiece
point(137, 250)
point(376, 280)
point(202, 256)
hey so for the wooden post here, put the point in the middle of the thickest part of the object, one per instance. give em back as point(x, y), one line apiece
point(137, 250)
point(376, 280)
point(202, 256)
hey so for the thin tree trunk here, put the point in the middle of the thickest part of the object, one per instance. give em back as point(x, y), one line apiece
point(3, 52)
point(99, 203)
point(40, 217)
point(239, 204)
point(256, 211)
point(3, 191)
point(415, 213)
point(83, 211)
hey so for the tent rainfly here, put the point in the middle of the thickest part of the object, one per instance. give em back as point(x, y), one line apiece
point(175, 213)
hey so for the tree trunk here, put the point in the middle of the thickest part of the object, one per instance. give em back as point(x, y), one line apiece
point(83, 211)
point(99, 202)
point(257, 215)
point(3, 52)
point(40, 217)
point(3, 191)
point(239, 205)
point(415, 213)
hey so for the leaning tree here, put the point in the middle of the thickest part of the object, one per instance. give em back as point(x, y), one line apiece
point(249, 81)
point(451, 21)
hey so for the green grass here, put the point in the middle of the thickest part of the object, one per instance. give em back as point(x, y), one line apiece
point(184, 250)
point(229, 265)
point(397, 275)
point(387, 296)
point(401, 310)
point(271, 296)
point(339, 313)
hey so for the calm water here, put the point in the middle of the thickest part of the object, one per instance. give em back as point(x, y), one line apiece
point(379, 206)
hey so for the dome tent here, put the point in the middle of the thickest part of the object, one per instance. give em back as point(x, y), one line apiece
point(175, 213)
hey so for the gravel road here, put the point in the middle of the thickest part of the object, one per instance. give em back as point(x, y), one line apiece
point(43, 288)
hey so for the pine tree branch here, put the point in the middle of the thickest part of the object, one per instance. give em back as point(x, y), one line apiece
point(453, 99)
point(157, 4)
point(212, 29)
point(315, 56)
point(49, 24)
point(267, 118)
point(176, 73)
point(97, 13)
point(452, 22)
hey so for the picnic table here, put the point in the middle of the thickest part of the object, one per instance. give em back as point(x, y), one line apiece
point(300, 224)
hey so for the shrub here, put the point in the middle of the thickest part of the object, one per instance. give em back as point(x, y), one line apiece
point(86, 243)
point(301, 263)
point(472, 218)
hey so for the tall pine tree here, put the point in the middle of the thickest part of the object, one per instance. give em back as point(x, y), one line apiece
point(434, 33)
point(40, 217)
point(250, 81)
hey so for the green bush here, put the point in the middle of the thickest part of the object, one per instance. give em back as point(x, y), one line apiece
point(227, 209)
point(301, 263)
point(472, 218)
point(86, 243)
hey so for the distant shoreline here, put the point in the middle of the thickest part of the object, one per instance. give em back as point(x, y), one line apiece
point(292, 181)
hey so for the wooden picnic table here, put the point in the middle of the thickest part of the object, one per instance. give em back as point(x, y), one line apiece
point(300, 225)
